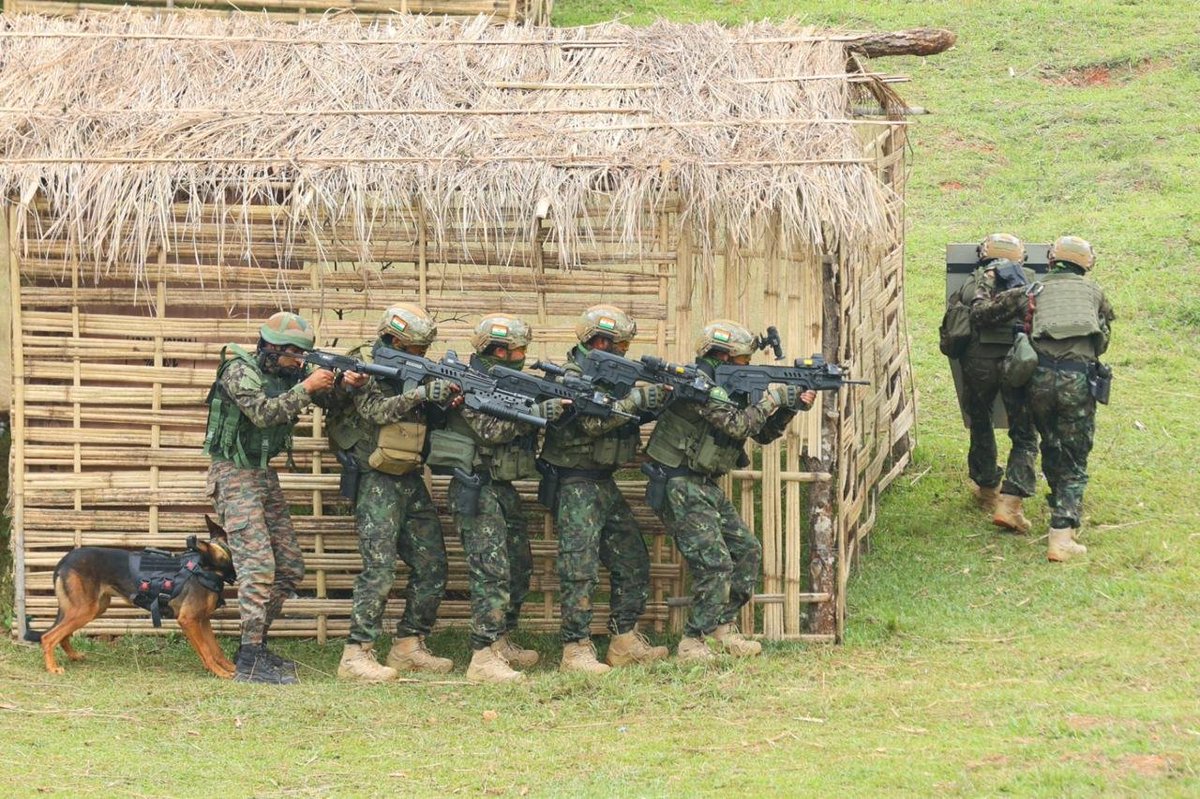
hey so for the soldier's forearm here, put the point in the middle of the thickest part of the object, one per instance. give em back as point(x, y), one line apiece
point(264, 411)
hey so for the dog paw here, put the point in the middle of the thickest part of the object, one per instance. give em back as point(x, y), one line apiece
point(75, 656)
point(56, 670)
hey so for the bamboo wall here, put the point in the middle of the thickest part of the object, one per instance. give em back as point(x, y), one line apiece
point(535, 11)
point(110, 374)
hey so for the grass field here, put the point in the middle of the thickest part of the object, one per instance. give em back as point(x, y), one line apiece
point(972, 667)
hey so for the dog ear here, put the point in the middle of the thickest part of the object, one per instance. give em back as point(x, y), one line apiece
point(215, 530)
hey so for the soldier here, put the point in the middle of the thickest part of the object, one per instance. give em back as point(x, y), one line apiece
point(486, 454)
point(384, 431)
point(1070, 327)
point(594, 522)
point(691, 446)
point(981, 362)
point(253, 406)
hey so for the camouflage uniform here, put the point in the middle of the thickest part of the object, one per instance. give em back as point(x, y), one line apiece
point(394, 515)
point(250, 504)
point(495, 538)
point(594, 522)
point(981, 382)
point(1062, 405)
point(722, 554)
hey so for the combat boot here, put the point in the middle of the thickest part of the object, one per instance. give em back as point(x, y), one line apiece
point(581, 656)
point(986, 498)
point(254, 665)
point(1010, 514)
point(1062, 546)
point(282, 663)
point(489, 665)
point(735, 643)
point(360, 665)
point(632, 647)
point(694, 649)
point(517, 657)
point(410, 654)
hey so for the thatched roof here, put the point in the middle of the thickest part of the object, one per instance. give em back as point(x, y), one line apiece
point(112, 118)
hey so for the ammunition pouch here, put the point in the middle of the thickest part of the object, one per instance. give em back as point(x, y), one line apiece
point(1100, 382)
point(1020, 362)
point(547, 495)
point(348, 484)
point(515, 460)
point(716, 453)
point(450, 451)
point(466, 499)
point(398, 449)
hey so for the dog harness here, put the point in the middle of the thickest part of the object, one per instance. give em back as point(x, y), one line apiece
point(161, 577)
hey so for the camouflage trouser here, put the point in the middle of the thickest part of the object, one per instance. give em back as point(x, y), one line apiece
point(1065, 414)
point(395, 515)
point(981, 383)
point(722, 554)
point(250, 506)
point(499, 560)
point(595, 525)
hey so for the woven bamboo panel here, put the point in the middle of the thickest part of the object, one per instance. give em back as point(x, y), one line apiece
point(534, 11)
point(111, 374)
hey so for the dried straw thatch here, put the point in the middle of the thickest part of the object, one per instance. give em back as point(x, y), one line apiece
point(112, 118)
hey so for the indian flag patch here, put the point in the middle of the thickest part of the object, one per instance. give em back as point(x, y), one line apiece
point(721, 335)
point(606, 324)
point(500, 331)
point(398, 324)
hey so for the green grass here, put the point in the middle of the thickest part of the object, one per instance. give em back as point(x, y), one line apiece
point(971, 667)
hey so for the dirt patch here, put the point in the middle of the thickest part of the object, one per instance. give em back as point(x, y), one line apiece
point(1103, 74)
point(951, 185)
point(1085, 723)
point(990, 760)
point(1145, 765)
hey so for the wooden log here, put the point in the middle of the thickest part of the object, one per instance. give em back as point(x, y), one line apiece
point(916, 41)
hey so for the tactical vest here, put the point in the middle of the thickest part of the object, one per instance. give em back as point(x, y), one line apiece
point(1067, 307)
point(569, 447)
point(161, 577)
point(393, 448)
point(457, 445)
point(683, 439)
point(230, 435)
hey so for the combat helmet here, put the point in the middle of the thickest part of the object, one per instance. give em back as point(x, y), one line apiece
point(502, 329)
point(1001, 245)
point(605, 320)
point(1073, 250)
point(408, 324)
point(288, 329)
point(727, 336)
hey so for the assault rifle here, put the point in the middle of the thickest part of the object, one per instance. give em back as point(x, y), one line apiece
point(481, 392)
point(619, 375)
point(585, 398)
point(806, 373)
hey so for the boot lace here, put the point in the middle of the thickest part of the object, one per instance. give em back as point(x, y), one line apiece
point(641, 643)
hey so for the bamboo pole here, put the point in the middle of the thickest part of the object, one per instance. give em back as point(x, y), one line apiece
point(582, 162)
point(823, 513)
point(317, 496)
point(297, 41)
point(160, 312)
point(17, 477)
point(77, 410)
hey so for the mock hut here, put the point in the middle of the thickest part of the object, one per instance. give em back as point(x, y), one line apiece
point(533, 11)
point(172, 181)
